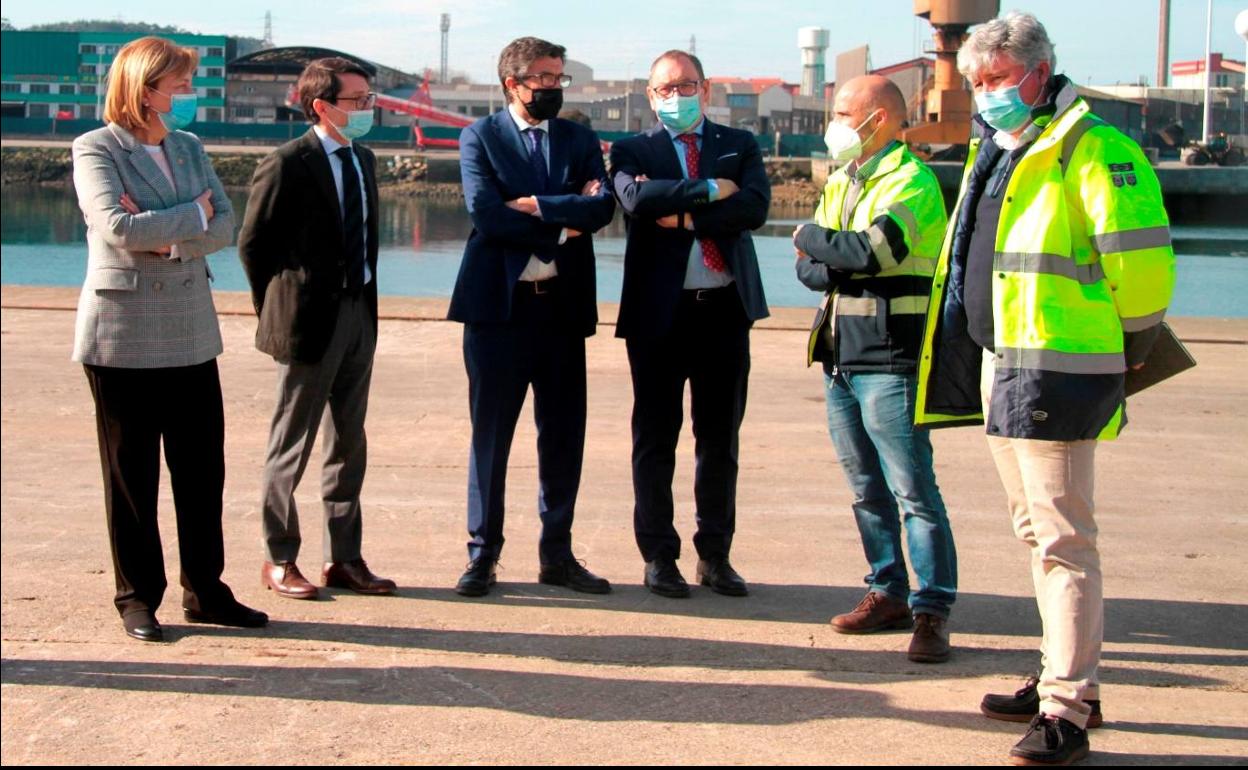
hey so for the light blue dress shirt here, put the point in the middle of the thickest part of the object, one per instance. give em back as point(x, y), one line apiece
point(697, 274)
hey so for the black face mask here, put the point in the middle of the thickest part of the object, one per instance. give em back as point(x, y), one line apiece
point(546, 103)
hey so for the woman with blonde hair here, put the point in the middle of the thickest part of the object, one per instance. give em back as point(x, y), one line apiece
point(147, 333)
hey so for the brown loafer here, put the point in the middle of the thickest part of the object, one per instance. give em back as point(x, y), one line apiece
point(356, 576)
point(876, 612)
point(285, 580)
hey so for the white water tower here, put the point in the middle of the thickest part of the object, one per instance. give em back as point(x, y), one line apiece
point(1241, 28)
point(814, 44)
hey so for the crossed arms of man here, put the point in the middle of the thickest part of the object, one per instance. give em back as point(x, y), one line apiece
point(537, 223)
point(736, 205)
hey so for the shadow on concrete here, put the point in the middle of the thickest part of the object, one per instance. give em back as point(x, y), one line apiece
point(1132, 621)
point(658, 651)
point(1195, 731)
point(1113, 759)
point(552, 696)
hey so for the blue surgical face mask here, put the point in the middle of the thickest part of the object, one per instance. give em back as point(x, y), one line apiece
point(1004, 109)
point(679, 113)
point(181, 112)
point(359, 123)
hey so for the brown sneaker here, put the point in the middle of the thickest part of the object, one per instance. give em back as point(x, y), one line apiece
point(876, 612)
point(930, 643)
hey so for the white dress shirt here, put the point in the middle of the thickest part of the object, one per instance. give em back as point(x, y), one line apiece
point(335, 166)
point(536, 269)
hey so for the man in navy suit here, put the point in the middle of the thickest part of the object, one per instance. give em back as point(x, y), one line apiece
point(536, 188)
point(693, 191)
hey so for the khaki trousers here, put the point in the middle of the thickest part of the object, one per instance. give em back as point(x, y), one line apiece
point(1049, 488)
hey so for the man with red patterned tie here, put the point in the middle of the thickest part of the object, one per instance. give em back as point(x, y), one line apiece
point(692, 191)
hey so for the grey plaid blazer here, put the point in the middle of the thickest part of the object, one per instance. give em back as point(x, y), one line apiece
point(139, 309)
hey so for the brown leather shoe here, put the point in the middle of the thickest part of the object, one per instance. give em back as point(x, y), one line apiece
point(356, 576)
point(876, 612)
point(930, 643)
point(285, 580)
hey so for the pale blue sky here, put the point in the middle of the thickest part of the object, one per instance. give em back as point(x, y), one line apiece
point(1098, 41)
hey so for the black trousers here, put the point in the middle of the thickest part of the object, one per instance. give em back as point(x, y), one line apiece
point(135, 409)
point(535, 348)
point(708, 346)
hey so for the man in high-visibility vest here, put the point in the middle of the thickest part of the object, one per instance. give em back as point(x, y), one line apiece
point(1051, 282)
point(872, 249)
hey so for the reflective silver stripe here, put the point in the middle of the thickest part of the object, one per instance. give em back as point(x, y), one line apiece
point(856, 305)
point(1071, 140)
point(868, 306)
point(1140, 323)
point(1129, 240)
point(1057, 361)
point(907, 218)
point(911, 265)
point(915, 305)
point(1049, 264)
point(879, 246)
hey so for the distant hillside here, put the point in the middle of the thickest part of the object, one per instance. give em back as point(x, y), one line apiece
point(110, 25)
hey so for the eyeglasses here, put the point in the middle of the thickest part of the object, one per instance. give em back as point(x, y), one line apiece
point(687, 88)
point(365, 102)
point(547, 79)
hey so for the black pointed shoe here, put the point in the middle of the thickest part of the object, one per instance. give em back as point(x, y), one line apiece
point(477, 579)
point(235, 615)
point(143, 626)
point(570, 573)
point(663, 578)
point(720, 577)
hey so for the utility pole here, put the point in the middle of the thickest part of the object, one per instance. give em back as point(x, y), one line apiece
point(1163, 45)
point(1208, 132)
point(446, 40)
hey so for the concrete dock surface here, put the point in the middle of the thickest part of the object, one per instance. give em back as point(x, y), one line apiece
point(535, 674)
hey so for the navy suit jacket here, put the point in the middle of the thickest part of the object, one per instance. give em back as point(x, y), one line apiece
point(494, 163)
point(655, 257)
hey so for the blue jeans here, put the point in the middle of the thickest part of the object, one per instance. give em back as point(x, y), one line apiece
point(887, 462)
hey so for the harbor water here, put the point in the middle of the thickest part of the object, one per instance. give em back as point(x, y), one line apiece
point(43, 242)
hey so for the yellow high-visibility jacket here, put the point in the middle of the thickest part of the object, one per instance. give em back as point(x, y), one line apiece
point(877, 237)
point(1083, 271)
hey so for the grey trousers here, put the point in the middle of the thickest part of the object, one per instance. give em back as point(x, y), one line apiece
point(341, 381)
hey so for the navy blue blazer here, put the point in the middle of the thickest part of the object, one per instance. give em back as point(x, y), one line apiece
point(655, 257)
point(494, 163)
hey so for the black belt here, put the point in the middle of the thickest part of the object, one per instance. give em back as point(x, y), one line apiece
point(537, 288)
point(708, 295)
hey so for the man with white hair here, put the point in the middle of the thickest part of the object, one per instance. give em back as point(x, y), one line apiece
point(1052, 281)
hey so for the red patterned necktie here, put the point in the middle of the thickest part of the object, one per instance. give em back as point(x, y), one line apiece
point(710, 252)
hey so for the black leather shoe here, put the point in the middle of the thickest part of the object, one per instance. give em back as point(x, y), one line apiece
point(1025, 704)
point(664, 579)
point(721, 577)
point(143, 626)
point(478, 578)
point(1050, 741)
point(235, 615)
point(572, 574)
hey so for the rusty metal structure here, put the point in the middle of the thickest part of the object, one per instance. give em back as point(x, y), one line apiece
point(948, 107)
